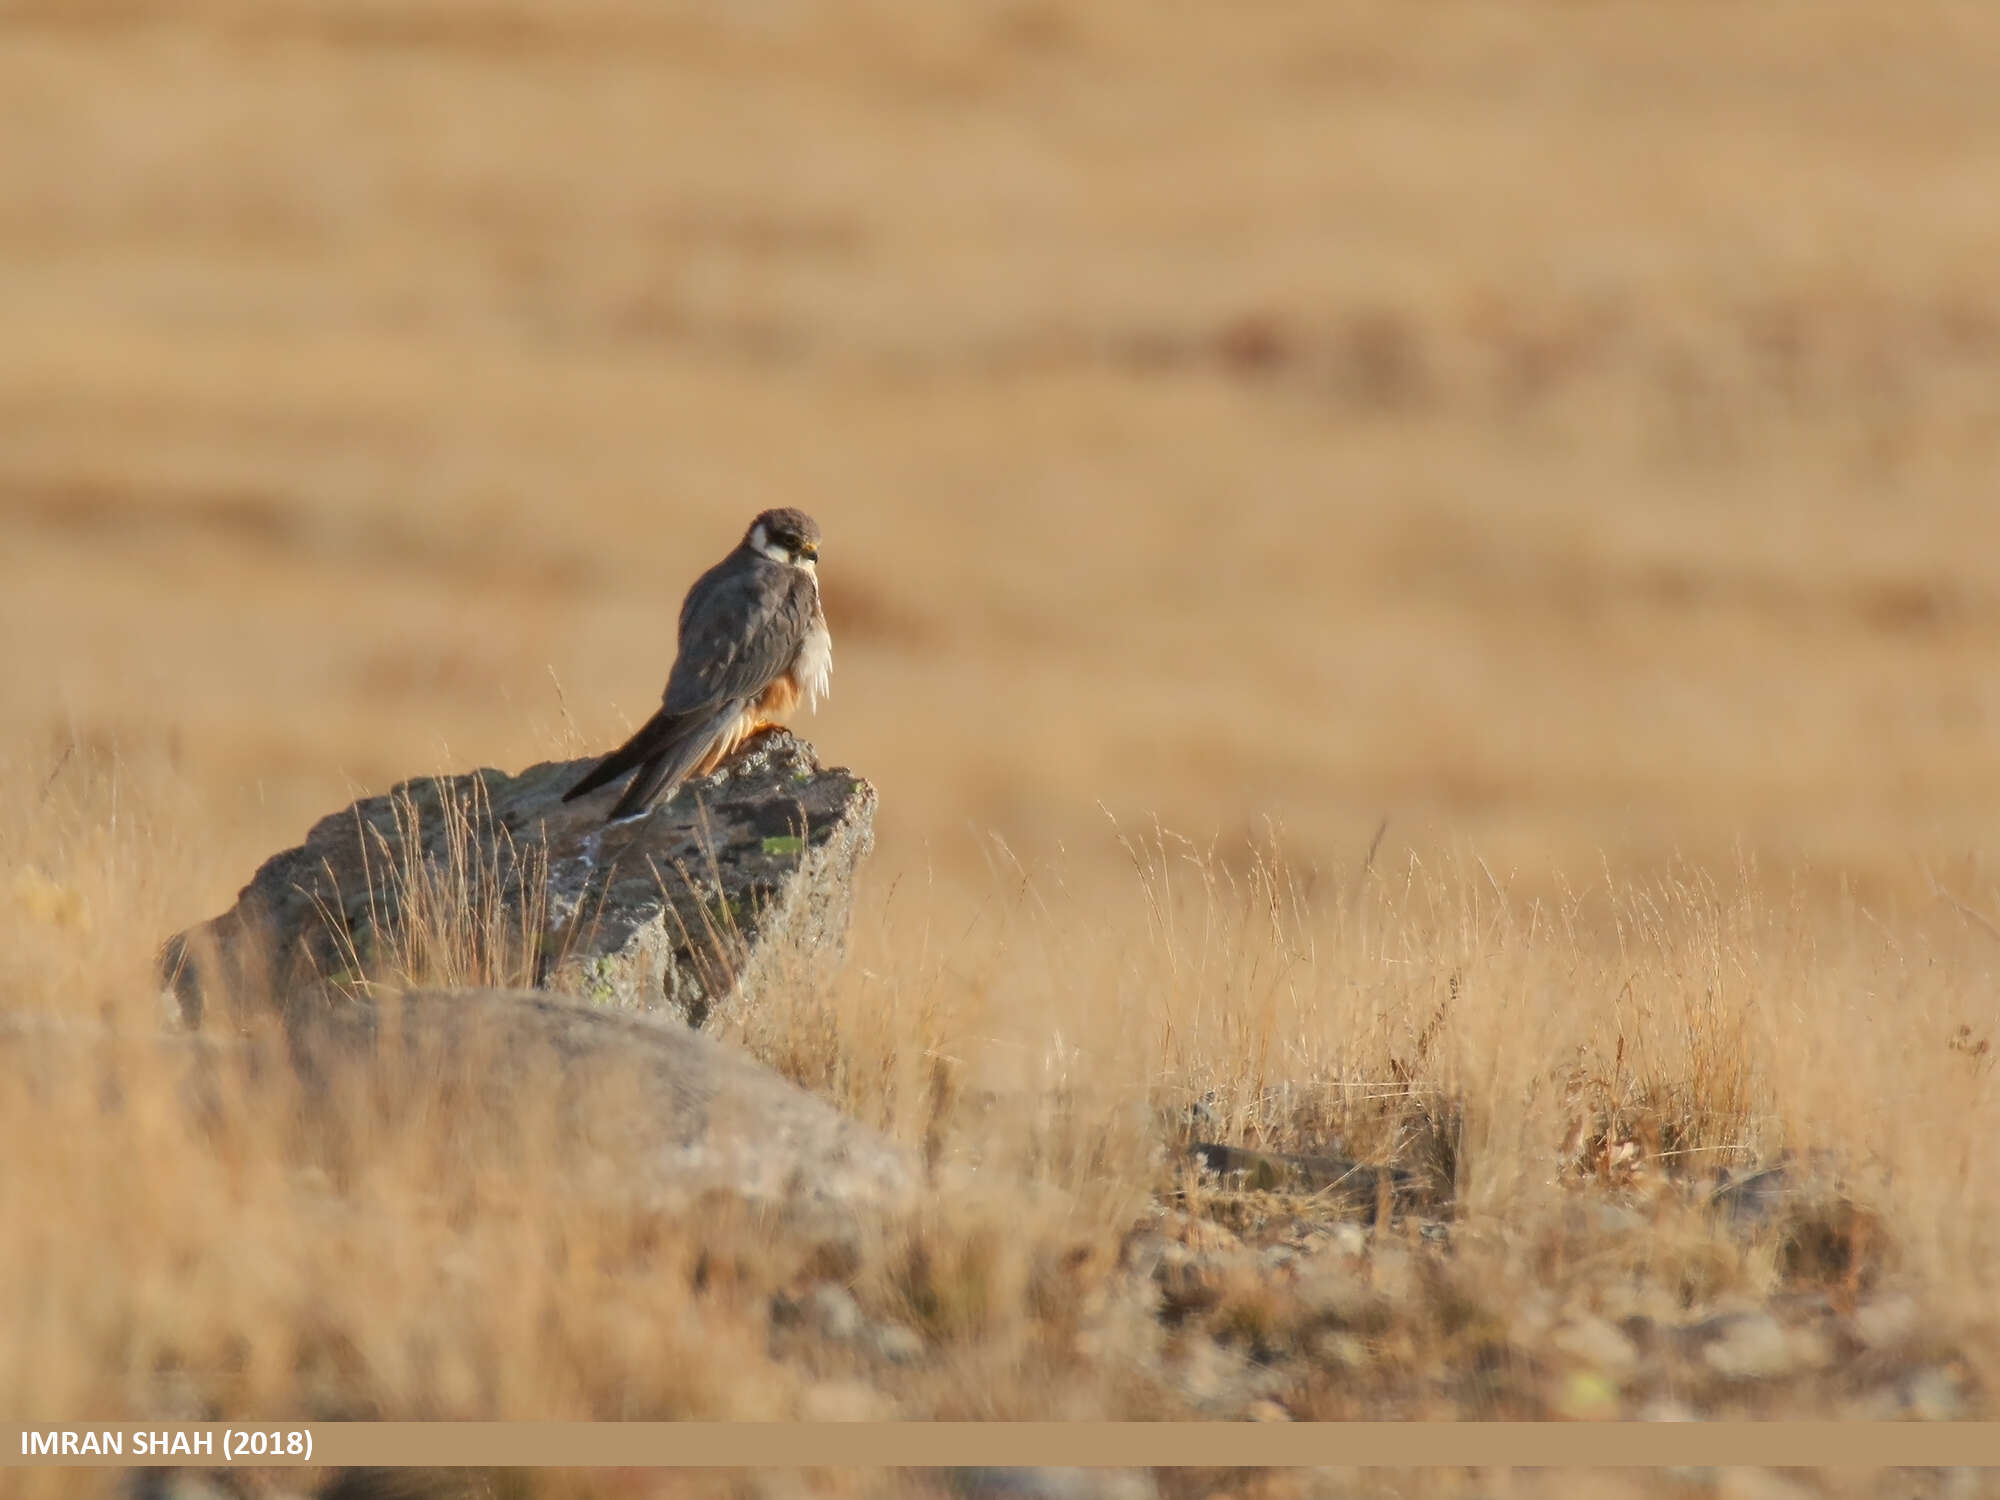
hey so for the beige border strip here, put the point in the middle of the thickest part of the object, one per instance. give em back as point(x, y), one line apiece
point(1008, 1444)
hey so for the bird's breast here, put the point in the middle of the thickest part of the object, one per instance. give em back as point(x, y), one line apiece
point(812, 669)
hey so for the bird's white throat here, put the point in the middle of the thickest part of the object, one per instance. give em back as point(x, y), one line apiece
point(760, 541)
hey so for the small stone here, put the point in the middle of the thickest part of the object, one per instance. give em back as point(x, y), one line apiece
point(1145, 1257)
point(1750, 1347)
point(1052, 1484)
point(1933, 1395)
point(1597, 1344)
point(1351, 1240)
point(1207, 1372)
point(833, 1311)
point(1266, 1410)
point(898, 1344)
point(1885, 1321)
point(1278, 1259)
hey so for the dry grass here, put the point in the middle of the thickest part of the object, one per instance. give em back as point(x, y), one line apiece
point(245, 1260)
point(473, 919)
point(1565, 434)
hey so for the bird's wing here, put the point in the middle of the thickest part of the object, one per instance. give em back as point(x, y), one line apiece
point(741, 626)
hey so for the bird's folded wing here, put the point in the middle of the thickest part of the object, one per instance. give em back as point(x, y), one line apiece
point(740, 627)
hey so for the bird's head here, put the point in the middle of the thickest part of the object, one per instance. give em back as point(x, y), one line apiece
point(785, 536)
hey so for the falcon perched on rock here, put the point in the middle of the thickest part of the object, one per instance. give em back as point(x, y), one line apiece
point(753, 641)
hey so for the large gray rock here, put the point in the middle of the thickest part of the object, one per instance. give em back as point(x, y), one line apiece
point(490, 878)
point(628, 1110)
point(634, 1107)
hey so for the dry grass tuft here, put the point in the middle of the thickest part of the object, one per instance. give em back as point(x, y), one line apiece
point(473, 919)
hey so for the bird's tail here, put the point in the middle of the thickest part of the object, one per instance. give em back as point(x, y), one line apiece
point(624, 758)
point(665, 748)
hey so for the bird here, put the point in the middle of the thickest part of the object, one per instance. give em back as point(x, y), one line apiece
point(752, 642)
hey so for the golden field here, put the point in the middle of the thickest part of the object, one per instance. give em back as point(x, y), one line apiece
point(1509, 489)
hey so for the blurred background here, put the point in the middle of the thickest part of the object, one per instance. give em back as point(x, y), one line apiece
point(1569, 429)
